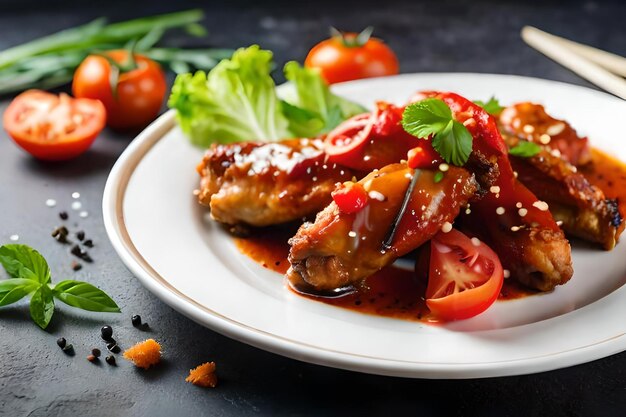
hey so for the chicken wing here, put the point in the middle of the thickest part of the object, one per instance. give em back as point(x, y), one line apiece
point(261, 184)
point(551, 175)
point(339, 249)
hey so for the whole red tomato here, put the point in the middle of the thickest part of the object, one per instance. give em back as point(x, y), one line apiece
point(352, 56)
point(134, 100)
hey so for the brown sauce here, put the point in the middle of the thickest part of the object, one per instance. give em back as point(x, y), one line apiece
point(395, 292)
point(608, 174)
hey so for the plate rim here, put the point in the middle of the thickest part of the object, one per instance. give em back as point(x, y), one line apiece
point(112, 209)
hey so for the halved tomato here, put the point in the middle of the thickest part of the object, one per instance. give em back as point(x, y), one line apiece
point(52, 127)
point(465, 276)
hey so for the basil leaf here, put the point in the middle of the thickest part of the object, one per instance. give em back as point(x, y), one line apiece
point(42, 306)
point(525, 149)
point(492, 107)
point(454, 143)
point(12, 290)
point(22, 261)
point(84, 295)
point(426, 117)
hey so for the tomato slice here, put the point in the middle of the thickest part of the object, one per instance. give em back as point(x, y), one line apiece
point(371, 140)
point(465, 276)
point(52, 127)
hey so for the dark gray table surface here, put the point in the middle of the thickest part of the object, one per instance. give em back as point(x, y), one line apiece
point(37, 379)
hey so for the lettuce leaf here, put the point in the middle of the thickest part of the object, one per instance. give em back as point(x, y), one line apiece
point(238, 101)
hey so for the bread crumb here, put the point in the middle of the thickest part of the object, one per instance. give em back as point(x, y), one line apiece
point(144, 354)
point(203, 375)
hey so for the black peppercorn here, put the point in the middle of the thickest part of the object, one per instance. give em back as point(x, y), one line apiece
point(95, 352)
point(61, 342)
point(76, 266)
point(113, 347)
point(88, 243)
point(110, 360)
point(80, 235)
point(106, 332)
point(136, 320)
point(63, 215)
point(69, 349)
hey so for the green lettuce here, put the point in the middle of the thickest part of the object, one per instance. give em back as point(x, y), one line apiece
point(238, 101)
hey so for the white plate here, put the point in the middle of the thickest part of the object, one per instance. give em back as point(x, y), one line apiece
point(169, 243)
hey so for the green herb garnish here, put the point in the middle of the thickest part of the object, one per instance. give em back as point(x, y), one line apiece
point(438, 177)
point(525, 149)
point(433, 117)
point(492, 107)
point(50, 61)
point(29, 274)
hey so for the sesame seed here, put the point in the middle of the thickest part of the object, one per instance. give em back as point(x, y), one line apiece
point(556, 153)
point(75, 195)
point(494, 189)
point(555, 129)
point(468, 211)
point(83, 214)
point(515, 228)
point(447, 226)
point(515, 174)
point(506, 273)
point(522, 212)
point(469, 122)
point(352, 233)
point(475, 241)
point(51, 203)
point(444, 167)
point(367, 157)
point(545, 139)
point(314, 178)
point(14, 238)
point(375, 195)
point(518, 205)
point(559, 223)
point(500, 211)
point(408, 175)
point(77, 205)
point(541, 205)
point(528, 129)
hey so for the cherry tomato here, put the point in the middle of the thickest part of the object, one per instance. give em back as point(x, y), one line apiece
point(465, 276)
point(139, 93)
point(52, 127)
point(352, 56)
point(350, 197)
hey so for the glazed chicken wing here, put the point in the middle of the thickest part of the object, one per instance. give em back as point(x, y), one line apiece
point(260, 184)
point(339, 249)
point(551, 175)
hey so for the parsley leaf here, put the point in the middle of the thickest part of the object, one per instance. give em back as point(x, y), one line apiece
point(30, 273)
point(525, 149)
point(492, 107)
point(433, 117)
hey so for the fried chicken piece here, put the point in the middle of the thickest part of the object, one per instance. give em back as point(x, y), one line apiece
point(583, 208)
point(551, 175)
point(531, 122)
point(261, 184)
point(340, 249)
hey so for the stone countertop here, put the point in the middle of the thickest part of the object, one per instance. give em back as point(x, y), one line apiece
point(37, 379)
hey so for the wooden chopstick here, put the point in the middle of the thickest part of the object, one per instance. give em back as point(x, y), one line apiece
point(586, 64)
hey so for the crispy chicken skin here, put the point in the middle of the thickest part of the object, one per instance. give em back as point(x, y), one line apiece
point(261, 184)
point(551, 175)
point(583, 208)
point(339, 249)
